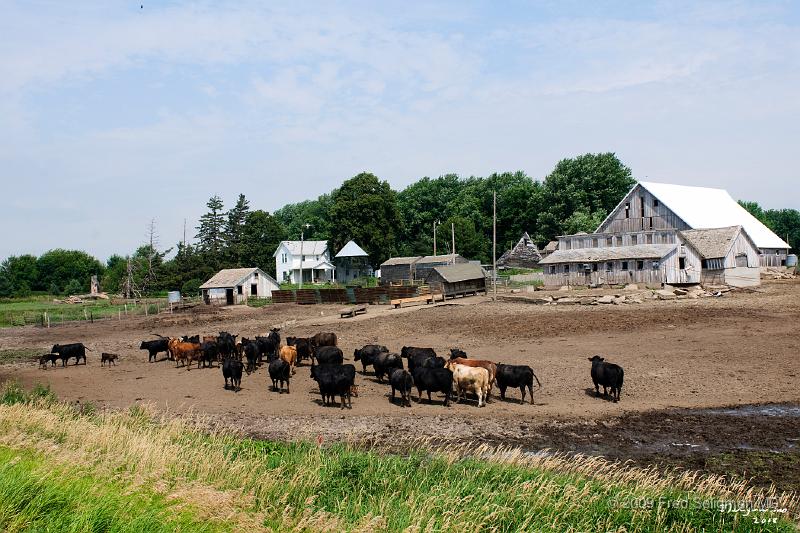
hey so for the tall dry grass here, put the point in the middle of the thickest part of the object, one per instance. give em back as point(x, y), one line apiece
point(263, 486)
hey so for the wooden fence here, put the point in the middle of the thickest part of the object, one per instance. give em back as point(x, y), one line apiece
point(353, 295)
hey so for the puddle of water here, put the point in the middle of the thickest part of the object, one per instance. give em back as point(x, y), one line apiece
point(774, 410)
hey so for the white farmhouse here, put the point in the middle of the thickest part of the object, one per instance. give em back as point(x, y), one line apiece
point(313, 257)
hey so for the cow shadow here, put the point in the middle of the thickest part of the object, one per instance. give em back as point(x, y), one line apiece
point(591, 393)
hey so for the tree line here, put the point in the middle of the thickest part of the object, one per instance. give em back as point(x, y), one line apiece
point(576, 196)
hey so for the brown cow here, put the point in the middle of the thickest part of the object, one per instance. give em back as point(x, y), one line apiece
point(184, 351)
point(289, 354)
point(323, 339)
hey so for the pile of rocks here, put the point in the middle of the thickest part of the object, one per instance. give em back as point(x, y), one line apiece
point(629, 295)
point(778, 273)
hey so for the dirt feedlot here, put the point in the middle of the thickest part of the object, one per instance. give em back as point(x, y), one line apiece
point(680, 358)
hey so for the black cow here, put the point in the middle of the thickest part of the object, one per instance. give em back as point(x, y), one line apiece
point(303, 347)
point(433, 380)
point(335, 380)
point(608, 375)
point(194, 339)
point(251, 353)
point(385, 363)
point(416, 356)
point(514, 376)
point(226, 344)
point(323, 339)
point(155, 347)
point(368, 353)
point(209, 351)
point(67, 351)
point(402, 381)
point(51, 357)
point(269, 345)
point(455, 353)
point(232, 370)
point(329, 355)
point(433, 362)
point(279, 371)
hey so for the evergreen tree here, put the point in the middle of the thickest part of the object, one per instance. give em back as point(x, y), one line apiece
point(210, 232)
point(233, 233)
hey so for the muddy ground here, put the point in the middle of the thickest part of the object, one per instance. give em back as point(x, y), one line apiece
point(683, 360)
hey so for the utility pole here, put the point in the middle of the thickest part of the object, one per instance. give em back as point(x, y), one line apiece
point(306, 226)
point(434, 237)
point(453, 233)
point(184, 232)
point(494, 244)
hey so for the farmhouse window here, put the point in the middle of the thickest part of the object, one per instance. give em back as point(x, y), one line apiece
point(624, 265)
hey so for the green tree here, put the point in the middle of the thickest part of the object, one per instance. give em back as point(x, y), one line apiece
point(262, 233)
point(469, 242)
point(188, 264)
point(754, 209)
point(233, 232)
point(365, 209)
point(420, 205)
point(114, 275)
point(591, 183)
point(293, 217)
point(61, 266)
point(20, 273)
point(786, 224)
point(210, 232)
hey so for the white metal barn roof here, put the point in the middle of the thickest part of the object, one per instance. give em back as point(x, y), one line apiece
point(351, 249)
point(704, 207)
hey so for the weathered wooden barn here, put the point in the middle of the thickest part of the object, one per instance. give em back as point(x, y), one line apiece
point(657, 206)
point(459, 279)
point(235, 285)
point(654, 258)
point(524, 254)
point(415, 268)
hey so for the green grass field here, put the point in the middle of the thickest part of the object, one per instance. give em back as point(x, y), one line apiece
point(64, 470)
point(21, 312)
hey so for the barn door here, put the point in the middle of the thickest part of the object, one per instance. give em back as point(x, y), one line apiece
point(229, 296)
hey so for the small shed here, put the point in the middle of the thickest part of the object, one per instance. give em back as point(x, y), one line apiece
point(235, 285)
point(549, 248)
point(458, 279)
point(729, 256)
point(352, 262)
point(524, 254)
point(398, 269)
point(425, 265)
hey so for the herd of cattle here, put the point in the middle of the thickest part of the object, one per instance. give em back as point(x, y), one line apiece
point(426, 371)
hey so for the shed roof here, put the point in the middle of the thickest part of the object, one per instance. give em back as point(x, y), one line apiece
point(704, 207)
point(711, 243)
point(459, 272)
point(351, 249)
point(309, 247)
point(401, 260)
point(552, 246)
point(439, 258)
point(231, 277)
point(589, 255)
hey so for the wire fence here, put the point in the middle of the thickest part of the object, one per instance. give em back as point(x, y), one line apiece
point(68, 313)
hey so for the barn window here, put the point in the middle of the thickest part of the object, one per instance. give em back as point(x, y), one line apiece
point(552, 269)
point(594, 267)
point(655, 265)
point(639, 265)
point(649, 238)
point(239, 289)
point(741, 260)
point(609, 267)
point(595, 242)
point(627, 210)
point(609, 241)
point(681, 263)
point(655, 202)
point(566, 269)
point(634, 239)
point(624, 265)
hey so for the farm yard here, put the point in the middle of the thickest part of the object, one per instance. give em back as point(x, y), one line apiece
point(688, 365)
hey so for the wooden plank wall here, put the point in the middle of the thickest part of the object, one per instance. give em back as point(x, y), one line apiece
point(642, 215)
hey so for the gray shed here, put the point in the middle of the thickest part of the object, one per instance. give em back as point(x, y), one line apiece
point(459, 279)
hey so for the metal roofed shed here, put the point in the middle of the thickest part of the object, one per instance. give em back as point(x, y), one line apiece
point(459, 279)
point(728, 256)
point(398, 269)
point(584, 255)
point(235, 285)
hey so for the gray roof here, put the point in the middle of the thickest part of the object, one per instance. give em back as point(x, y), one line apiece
point(447, 258)
point(589, 255)
point(309, 247)
point(551, 246)
point(231, 277)
point(711, 243)
point(401, 261)
point(351, 249)
point(459, 272)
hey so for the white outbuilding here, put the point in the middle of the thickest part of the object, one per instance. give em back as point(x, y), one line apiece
point(236, 285)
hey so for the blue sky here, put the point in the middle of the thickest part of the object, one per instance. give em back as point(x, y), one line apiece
point(113, 114)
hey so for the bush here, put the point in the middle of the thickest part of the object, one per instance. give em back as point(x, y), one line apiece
point(55, 290)
point(73, 287)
